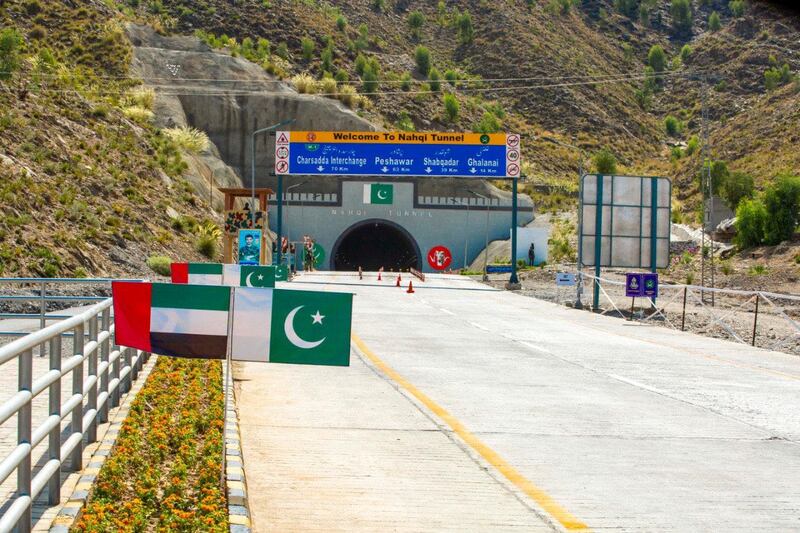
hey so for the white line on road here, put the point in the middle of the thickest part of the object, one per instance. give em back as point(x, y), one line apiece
point(447, 311)
point(638, 384)
point(484, 328)
point(534, 347)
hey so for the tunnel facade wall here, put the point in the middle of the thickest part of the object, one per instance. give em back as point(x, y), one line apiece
point(431, 221)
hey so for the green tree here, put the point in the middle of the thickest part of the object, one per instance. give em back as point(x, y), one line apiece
point(379, 5)
point(489, 123)
point(451, 106)
point(405, 81)
point(465, 29)
point(423, 58)
point(307, 46)
point(451, 76)
point(10, 45)
point(326, 60)
point(686, 53)
point(714, 24)
point(361, 62)
point(657, 59)
point(369, 79)
point(774, 76)
point(605, 162)
point(672, 126)
point(719, 174)
point(435, 80)
point(736, 7)
point(341, 23)
point(751, 217)
point(629, 8)
point(782, 202)
point(736, 188)
point(681, 12)
point(415, 21)
point(692, 145)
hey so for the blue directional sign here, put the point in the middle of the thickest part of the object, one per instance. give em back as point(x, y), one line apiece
point(369, 153)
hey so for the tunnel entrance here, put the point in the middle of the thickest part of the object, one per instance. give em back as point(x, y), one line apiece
point(373, 244)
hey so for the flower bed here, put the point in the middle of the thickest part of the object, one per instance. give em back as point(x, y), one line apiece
point(164, 473)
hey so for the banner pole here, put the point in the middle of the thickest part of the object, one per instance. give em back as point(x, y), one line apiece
point(226, 388)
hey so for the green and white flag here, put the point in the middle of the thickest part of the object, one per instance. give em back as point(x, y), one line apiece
point(288, 326)
point(378, 193)
point(281, 273)
point(248, 276)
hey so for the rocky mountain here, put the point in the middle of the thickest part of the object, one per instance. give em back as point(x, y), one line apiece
point(98, 172)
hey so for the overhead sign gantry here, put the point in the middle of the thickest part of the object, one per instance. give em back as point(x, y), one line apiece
point(399, 153)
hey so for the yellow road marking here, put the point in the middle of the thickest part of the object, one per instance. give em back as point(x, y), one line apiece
point(539, 496)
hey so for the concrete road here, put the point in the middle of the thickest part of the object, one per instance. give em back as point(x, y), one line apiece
point(481, 410)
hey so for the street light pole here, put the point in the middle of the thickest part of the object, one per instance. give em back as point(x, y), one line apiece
point(288, 218)
point(253, 180)
point(466, 236)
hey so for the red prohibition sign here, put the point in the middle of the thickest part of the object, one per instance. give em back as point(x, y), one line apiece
point(439, 257)
point(512, 169)
point(281, 167)
point(311, 137)
point(283, 152)
point(513, 155)
point(512, 140)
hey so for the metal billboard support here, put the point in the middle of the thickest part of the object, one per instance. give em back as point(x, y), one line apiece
point(598, 240)
point(513, 281)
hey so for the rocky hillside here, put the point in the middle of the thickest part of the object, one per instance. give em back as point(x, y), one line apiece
point(87, 179)
point(565, 72)
point(87, 185)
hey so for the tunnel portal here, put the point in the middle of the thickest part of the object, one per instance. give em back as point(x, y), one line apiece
point(373, 244)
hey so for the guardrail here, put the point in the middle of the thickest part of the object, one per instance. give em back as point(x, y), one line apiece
point(42, 297)
point(100, 372)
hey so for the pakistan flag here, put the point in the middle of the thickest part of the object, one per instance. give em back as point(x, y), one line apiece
point(378, 193)
point(311, 327)
point(257, 276)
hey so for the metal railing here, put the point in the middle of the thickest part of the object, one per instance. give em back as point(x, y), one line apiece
point(42, 298)
point(100, 372)
point(737, 315)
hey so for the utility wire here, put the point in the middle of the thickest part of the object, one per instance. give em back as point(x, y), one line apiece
point(169, 90)
point(146, 80)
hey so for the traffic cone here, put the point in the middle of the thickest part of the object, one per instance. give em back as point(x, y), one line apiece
point(379, 275)
point(410, 288)
point(398, 280)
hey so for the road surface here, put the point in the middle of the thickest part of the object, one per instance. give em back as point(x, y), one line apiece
point(471, 409)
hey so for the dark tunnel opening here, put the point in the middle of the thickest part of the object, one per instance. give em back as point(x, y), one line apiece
point(374, 244)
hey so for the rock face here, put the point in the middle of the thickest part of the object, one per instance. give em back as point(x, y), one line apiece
point(230, 97)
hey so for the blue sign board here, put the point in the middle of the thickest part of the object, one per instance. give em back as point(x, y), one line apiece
point(565, 279)
point(498, 269)
point(641, 285)
point(650, 285)
point(397, 154)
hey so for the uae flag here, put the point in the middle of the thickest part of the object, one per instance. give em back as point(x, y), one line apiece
point(248, 276)
point(288, 326)
point(378, 193)
point(169, 319)
point(197, 273)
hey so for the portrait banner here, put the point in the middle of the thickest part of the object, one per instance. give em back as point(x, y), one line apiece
point(249, 247)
